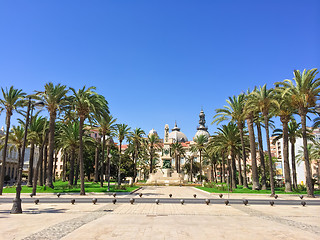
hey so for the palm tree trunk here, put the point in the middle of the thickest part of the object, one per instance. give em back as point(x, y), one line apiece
point(76, 176)
point(212, 173)
point(135, 165)
point(293, 165)
point(96, 164)
point(45, 162)
point(244, 157)
point(151, 158)
point(306, 156)
point(30, 168)
point(41, 171)
point(102, 160)
point(191, 170)
point(39, 164)
point(51, 149)
point(55, 167)
point(215, 172)
point(261, 154)
point(71, 172)
point(82, 191)
point(4, 152)
point(287, 177)
point(233, 171)
point(119, 169)
point(255, 177)
point(108, 167)
point(64, 171)
point(240, 171)
point(266, 123)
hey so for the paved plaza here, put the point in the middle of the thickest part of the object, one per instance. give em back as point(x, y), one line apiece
point(61, 220)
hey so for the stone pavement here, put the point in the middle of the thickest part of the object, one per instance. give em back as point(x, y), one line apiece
point(163, 221)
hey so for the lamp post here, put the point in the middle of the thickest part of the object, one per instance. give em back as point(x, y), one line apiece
point(16, 207)
point(109, 160)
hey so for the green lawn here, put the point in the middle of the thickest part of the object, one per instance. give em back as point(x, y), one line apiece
point(63, 187)
point(240, 189)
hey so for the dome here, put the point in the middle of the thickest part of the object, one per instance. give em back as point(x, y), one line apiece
point(152, 131)
point(202, 132)
point(177, 136)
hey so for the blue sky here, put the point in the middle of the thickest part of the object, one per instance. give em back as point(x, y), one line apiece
point(157, 61)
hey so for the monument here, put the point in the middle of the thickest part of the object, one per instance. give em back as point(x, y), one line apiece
point(165, 174)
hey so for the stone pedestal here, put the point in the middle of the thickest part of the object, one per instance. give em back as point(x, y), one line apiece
point(167, 177)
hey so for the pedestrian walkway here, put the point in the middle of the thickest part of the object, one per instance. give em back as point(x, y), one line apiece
point(162, 221)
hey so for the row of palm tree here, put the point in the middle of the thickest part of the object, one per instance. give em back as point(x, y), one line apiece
point(286, 99)
point(67, 131)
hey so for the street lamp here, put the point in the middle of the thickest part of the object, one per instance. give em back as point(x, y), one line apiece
point(109, 160)
point(16, 207)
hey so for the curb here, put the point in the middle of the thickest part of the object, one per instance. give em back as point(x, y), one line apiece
point(135, 190)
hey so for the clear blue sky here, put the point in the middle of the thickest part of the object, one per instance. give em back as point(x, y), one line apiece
point(157, 61)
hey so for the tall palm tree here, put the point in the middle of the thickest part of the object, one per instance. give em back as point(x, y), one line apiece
point(236, 112)
point(211, 158)
point(35, 129)
point(11, 100)
point(87, 104)
point(106, 128)
point(228, 138)
point(178, 151)
point(122, 132)
point(16, 137)
point(304, 91)
point(294, 132)
point(263, 100)
point(152, 144)
point(261, 154)
point(137, 141)
point(200, 142)
point(285, 112)
point(250, 120)
point(54, 98)
point(41, 133)
point(69, 138)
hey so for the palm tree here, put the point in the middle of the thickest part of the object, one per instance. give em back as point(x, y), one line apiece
point(41, 133)
point(69, 138)
point(261, 154)
point(250, 119)
point(137, 141)
point(303, 92)
point(315, 154)
point(54, 98)
point(228, 138)
point(236, 112)
point(200, 142)
point(211, 159)
point(106, 128)
point(178, 151)
point(87, 104)
point(263, 100)
point(12, 100)
point(122, 132)
point(285, 112)
point(294, 132)
point(16, 137)
point(152, 144)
